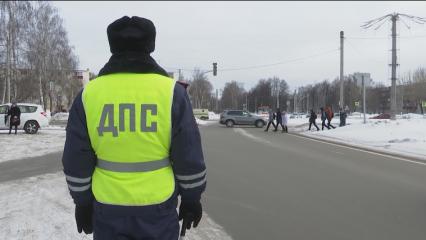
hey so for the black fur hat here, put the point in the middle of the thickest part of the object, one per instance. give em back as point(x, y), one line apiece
point(134, 34)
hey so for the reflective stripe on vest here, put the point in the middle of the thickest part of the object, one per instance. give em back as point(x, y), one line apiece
point(128, 118)
point(134, 166)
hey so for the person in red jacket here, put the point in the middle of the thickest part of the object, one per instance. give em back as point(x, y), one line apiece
point(330, 115)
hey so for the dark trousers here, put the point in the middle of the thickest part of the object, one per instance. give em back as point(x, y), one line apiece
point(313, 123)
point(282, 126)
point(324, 125)
point(329, 124)
point(124, 223)
point(269, 124)
point(10, 128)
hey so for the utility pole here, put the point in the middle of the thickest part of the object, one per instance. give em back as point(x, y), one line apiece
point(295, 102)
point(278, 99)
point(247, 107)
point(341, 68)
point(363, 99)
point(217, 100)
point(307, 102)
point(394, 17)
point(180, 76)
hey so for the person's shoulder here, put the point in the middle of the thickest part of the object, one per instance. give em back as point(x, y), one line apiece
point(184, 84)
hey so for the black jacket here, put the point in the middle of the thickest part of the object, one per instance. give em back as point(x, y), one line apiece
point(279, 117)
point(14, 112)
point(313, 117)
point(79, 159)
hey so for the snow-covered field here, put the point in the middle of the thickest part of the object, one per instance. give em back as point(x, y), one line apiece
point(47, 140)
point(40, 208)
point(406, 135)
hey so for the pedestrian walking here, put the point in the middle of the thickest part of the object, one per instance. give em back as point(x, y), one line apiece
point(285, 121)
point(330, 115)
point(342, 116)
point(271, 118)
point(323, 118)
point(15, 117)
point(312, 120)
point(131, 135)
point(279, 118)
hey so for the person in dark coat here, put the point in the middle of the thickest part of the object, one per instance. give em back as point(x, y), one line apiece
point(323, 118)
point(330, 115)
point(312, 120)
point(15, 117)
point(271, 118)
point(342, 116)
point(279, 118)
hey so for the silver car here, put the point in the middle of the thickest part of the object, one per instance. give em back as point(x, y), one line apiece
point(240, 117)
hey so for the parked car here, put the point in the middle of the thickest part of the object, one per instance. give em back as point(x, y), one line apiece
point(33, 117)
point(202, 114)
point(241, 117)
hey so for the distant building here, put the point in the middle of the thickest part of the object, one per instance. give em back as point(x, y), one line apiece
point(83, 76)
point(357, 78)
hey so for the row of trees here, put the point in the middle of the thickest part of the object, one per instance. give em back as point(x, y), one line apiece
point(411, 92)
point(37, 62)
point(274, 92)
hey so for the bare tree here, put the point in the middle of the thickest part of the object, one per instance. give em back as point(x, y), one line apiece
point(50, 55)
point(233, 96)
point(13, 16)
point(200, 90)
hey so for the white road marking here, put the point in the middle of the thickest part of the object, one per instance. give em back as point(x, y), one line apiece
point(362, 150)
point(246, 134)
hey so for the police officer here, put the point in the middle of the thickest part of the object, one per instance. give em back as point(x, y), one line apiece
point(132, 145)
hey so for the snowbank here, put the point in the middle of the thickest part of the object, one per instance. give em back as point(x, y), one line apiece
point(404, 136)
point(214, 116)
point(60, 116)
point(40, 208)
point(201, 122)
point(47, 140)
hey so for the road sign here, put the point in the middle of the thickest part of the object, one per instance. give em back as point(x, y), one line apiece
point(356, 104)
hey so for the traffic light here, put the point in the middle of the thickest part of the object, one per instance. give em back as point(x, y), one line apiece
point(214, 69)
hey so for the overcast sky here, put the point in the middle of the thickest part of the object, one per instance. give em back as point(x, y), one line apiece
point(243, 34)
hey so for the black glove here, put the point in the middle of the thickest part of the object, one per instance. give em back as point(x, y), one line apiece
point(83, 217)
point(191, 213)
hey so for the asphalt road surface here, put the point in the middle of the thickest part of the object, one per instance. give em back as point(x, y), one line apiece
point(28, 167)
point(278, 186)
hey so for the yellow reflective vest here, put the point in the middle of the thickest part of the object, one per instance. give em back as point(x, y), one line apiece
point(128, 118)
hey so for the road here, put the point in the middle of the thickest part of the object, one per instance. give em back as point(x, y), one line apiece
point(17, 169)
point(278, 186)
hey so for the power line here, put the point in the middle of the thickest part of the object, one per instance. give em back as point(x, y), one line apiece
point(404, 37)
point(279, 63)
point(263, 65)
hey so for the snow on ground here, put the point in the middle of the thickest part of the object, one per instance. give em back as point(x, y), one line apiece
point(47, 140)
point(40, 208)
point(406, 135)
point(214, 116)
point(205, 122)
point(60, 116)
